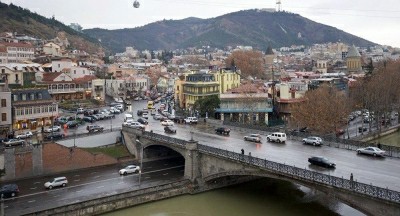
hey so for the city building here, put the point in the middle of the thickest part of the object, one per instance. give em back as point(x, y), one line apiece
point(127, 87)
point(70, 68)
point(353, 60)
point(16, 52)
point(5, 109)
point(32, 108)
point(288, 94)
point(19, 74)
point(52, 49)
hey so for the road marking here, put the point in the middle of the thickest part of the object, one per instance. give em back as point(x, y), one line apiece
point(96, 177)
point(33, 188)
point(147, 177)
point(31, 201)
point(101, 186)
point(165, 174)
point(76, 180)
point(56, 195)
point(77, 175)
point(37, 183)
point(121, 182)
point(78, 191)
point(94, 182)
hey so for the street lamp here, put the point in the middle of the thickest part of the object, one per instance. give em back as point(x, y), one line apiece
point(141, 159)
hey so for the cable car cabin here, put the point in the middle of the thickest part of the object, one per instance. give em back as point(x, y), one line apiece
point(136, 4)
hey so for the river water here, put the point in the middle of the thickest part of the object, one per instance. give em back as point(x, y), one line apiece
point(261, 197)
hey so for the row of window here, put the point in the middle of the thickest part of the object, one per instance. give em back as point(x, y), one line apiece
point(31, 96)
point(35, 110)
point(20, 49)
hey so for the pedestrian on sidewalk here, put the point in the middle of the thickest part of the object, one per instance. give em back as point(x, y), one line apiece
point(242, 150)
point(379, 145)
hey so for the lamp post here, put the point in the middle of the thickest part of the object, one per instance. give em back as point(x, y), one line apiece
point(141, 159)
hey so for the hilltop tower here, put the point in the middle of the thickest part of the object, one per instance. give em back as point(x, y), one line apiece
point(278, 5)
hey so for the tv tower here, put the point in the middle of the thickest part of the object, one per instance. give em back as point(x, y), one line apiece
point(278, 5)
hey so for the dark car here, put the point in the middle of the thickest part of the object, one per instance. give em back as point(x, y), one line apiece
point(169, 129)
point(179, 119)
point(9, 190)
point(321, 161)
point(54, 136)
point(362, 129)
point(88, 119)
point(223, 130)
point(72, 124)
point(88, 112)
point(142, 121)
point(139, 112)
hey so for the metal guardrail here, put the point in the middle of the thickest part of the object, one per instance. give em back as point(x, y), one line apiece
point(392, 151)
point(308, 175)
point(163, 138)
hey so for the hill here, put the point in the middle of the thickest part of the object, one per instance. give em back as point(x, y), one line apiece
point(23, 21)
point(255, 28)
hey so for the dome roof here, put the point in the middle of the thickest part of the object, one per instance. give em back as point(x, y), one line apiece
point(353, 52)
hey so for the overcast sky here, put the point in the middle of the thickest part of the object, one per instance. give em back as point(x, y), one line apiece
point(377, 21)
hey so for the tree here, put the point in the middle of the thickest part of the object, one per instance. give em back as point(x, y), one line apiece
point(207, 104)
point(250, 63)
point(324, 110)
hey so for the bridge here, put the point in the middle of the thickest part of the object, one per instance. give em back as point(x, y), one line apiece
point(205, 164)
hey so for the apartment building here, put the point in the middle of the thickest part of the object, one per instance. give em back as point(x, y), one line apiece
point(16, 52)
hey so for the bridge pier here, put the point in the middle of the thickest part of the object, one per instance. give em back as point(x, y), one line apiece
point(192, 161)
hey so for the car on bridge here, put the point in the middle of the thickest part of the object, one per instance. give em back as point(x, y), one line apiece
point(313, 140)
point(321, 161)
point(169, 129)
point(371, 151)
point(167, 123)
point(223, 130)
point(24, 135)
point(277, 137)
point(253, 138)
point(129, 169)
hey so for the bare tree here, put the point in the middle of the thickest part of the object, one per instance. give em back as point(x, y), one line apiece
point(250, 63)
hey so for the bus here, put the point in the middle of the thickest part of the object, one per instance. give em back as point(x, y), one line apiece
point(150, 104)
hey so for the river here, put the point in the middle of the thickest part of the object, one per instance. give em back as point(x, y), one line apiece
point(260, 197)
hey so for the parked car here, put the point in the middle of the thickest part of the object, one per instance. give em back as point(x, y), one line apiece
point(277, 137)
point(80, 110)
point(167, 123)
point(54, 136)
point(9, 190)
point(142, 121)
point(88, 112)
point(129, 169)
point(88, 119)
point(145, 115)
point(24, 135)
point(223, 130)
point(315, 141)
point(52, 129)
point(169, 129)
point(56, 182)
point(179, 119)
point(72, 124)
point(362, 129)
point(253, 138)
point(191, 120)
point(371, 151)
point(108, 115)
point(156, 116)
point(321, 161)
point(119, 106)
point(14, 142)
point(94, 128)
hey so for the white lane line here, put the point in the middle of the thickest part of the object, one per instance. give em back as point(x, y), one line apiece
point(37, 183)
point(165, 174)
point(78, 191)
point(95, 182)
point(76, 180)
point(100, 186)
point(56, 195)
point(77, 175)
point(165, 164)
point(31, 201)
point(33, 188)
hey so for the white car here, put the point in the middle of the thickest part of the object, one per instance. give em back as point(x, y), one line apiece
point(277, 137)
point(253, 138)
point(145, 115)
point(191, 120)
point(56, 182)
point(136, 125)
point(24, 135)
point(129, 169)
point(371, 151)
point(313, 141)
point(52, 129)
point(167, 123)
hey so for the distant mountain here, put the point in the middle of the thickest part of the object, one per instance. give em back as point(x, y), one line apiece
point(23, 21)
point(255, 28)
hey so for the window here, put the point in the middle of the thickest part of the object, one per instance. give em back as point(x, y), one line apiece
point(15, 97)
point(23, 96)
point(3, 102)
point(32, 96)
point(74, 71)
point(3, 70)
point(39, 96)
point(4, 117)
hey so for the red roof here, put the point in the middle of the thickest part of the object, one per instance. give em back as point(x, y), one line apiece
point(50, 76)
point(85, 79)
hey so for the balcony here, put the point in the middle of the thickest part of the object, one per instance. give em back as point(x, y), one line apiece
point(98, 88)
point(201, 92)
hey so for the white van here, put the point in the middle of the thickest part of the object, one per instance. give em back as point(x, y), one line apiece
point(277, 137)
point(128, 117)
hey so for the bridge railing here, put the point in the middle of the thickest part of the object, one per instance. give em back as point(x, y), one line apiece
point(365, 189)
point(162, 138)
